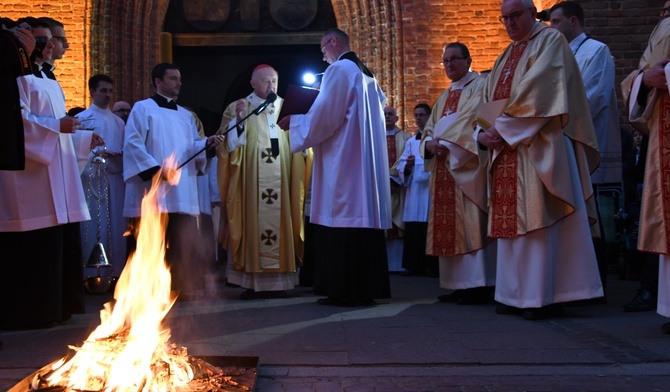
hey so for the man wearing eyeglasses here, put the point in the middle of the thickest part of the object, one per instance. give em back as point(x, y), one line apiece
point(58, 41)
point(542, 149)
point(122, 109)
point(351, 196)
point(458, 186)
point(648, 102)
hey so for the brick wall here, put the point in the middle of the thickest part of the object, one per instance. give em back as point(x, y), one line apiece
point(115, 37)
point(73, 70)
point(400, 40)
point(424, 26)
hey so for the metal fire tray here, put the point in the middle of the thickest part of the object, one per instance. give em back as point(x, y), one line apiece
point(241, 370)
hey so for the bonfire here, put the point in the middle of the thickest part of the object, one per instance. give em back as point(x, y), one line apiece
point(130, 349)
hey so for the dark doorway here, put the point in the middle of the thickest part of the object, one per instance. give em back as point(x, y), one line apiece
point(213, 77)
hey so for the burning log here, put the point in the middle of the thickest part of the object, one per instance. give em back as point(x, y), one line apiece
point(130, 349)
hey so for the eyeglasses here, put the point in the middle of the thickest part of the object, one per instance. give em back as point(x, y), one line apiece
point(513, 17)
point(664, 10)
point(451, 60)
point(323, 48)
point(61, 39)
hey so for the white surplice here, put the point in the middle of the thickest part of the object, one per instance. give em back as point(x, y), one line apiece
point(152, 134)
point(417, 193)
point(105, 190)
point(49, 191)
point(597, 68)
point(350, 177)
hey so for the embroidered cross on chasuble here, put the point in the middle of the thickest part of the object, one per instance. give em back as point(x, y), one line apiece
point(269, 197)
point(503, 196)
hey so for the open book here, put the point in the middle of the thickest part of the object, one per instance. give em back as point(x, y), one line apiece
point(489, 111)
point(297, 100)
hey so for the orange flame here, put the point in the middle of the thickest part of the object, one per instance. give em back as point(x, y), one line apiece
point(129, 350)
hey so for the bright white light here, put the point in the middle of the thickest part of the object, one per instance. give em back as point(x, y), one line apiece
point(309, 78)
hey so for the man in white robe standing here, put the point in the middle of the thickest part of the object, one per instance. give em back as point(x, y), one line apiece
point(38, 204)
point(458, 210)
point(103, 180)
point(542, 149)
point(261, 181)
point(351, 195)
point(158, 128)
point(596, 65)
point(411, 174)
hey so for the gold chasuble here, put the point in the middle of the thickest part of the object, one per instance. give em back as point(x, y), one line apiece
point(263, 193)
point(528, 180)
point(653, 118)
point(458, 212)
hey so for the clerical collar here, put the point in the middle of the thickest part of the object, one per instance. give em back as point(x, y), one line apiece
point(164, 102)
point(342, 54)
point(254, 99)
point(577, 43)
point(392, 131)
point(537, 28)
point(98, 108)
point(168, 99)
point(464, 81)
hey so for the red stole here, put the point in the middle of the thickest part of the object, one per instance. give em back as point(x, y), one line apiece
point(390, 146)
point(444, 197)
point(664, 159)
point(503, 196)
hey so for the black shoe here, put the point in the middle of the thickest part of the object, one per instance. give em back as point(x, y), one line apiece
point(506, 309)
point(454, 296)
point(545, 312)
point(643, 301)
point(665, 328)
point(476, 296)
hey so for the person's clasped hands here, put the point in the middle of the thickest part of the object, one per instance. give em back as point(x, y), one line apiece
point(490, 138)
point(655, 76)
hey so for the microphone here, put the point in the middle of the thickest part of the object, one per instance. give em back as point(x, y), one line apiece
point(271, 98)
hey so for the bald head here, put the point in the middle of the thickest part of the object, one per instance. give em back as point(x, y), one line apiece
point(264, 80)
point(122, 109)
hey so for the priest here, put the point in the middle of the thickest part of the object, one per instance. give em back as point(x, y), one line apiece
point(458, 210)
point(542, 150)
point(263, 185)
point(351, 191)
